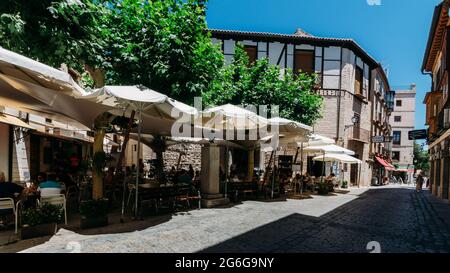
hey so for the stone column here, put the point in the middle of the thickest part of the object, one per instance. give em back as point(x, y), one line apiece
point(445, 178)
point(432, 173)
point(210, 190)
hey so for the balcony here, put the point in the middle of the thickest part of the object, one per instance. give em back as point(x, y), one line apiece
point(358, 134)
point(443, 123)
point(390, 96)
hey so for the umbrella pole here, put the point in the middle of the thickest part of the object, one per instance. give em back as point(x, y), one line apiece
point(359, 175)
point(301, 168)
point(138, 167)
point(273, 174)
point(323, 167)
point(226, 170)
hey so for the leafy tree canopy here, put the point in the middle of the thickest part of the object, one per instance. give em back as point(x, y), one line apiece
point(160, 44)
point(261, 84)
point(421, 157)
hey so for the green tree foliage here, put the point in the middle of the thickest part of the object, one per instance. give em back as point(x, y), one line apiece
point(421, 157)
point(159, 44)
point(260, 84)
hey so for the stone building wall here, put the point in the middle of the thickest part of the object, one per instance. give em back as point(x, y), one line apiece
point(192, 155)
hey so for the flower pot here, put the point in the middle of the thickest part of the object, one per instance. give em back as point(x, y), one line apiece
point(28, 232)
point(92, 222)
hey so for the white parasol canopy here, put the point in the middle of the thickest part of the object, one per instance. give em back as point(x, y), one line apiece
point(36, 88)
point(290, 126)
point(29, 70)
point(152, 102)
point(148, 139)
point(318, 140)
point(328, 149)
point(231, 117)
point(344, 158)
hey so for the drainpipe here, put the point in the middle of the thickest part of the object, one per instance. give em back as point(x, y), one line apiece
point(338, 115)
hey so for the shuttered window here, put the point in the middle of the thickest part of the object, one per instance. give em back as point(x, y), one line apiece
point(358, 81)
point(304, 61)
point(252, 53)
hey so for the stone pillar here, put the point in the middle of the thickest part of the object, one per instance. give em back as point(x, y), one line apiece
point(251, 164)
point(432, 173)
point(445, 178)
point(210, 190)
point(437, 176)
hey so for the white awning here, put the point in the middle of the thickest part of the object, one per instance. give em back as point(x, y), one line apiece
point(328, 149)
point(318, 140)
point(289, 126)
point(344, 158)
point(29, 70)
point(232, 117)
point(14, 121)
point(170, 141)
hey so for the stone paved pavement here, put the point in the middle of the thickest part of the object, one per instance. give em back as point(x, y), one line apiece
point(397, 217)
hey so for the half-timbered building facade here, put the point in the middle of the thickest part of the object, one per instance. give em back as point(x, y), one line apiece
point(436, 63)
point(345, 81)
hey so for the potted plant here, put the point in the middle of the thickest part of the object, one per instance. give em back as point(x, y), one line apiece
point(94, 213)
point(41, 221)
point(323, 188)
point(344, 184)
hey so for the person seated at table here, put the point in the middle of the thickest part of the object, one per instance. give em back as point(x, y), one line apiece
point(172, 174)
point(330, 177)
point(109, 178)
point(283, 181)
point(67, 180)
point(74, 163)
point(298, 181)
point(184, 178)
point(50, 187)
point(41, 177)
point(191, 171)
point(196, 180)
point(331, 180)
point(9, 189)
point(128, 174)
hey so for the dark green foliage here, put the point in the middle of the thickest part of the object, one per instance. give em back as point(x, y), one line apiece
point(44, 214)
point(261, 84)
point(94, 208)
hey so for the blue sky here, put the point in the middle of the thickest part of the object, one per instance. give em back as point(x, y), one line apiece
point(394, 33)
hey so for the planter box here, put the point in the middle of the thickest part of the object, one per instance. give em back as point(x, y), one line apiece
point(28, 232)
point(92, 222)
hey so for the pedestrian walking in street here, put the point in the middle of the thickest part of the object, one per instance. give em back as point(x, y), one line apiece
point(419, 182)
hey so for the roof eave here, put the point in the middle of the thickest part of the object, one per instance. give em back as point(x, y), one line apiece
point(288, 37)
point(436, 16)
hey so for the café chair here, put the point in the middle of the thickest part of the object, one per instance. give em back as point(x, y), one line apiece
point(8, 203)
point(58, 200)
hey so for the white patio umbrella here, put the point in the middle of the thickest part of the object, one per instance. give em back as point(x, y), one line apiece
point(231, 118)
point(36, 88)
point(287, 126)
point(344, 158)
point(154, 109)
point(228, 116)
point(29, 70)
point(328, 149)
point(318, 140)
point(148, 139)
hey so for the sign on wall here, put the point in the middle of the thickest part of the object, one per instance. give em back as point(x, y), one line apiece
point(377, 139)
point(417, 134)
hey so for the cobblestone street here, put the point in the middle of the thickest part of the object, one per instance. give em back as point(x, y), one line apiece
point(400, 219)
